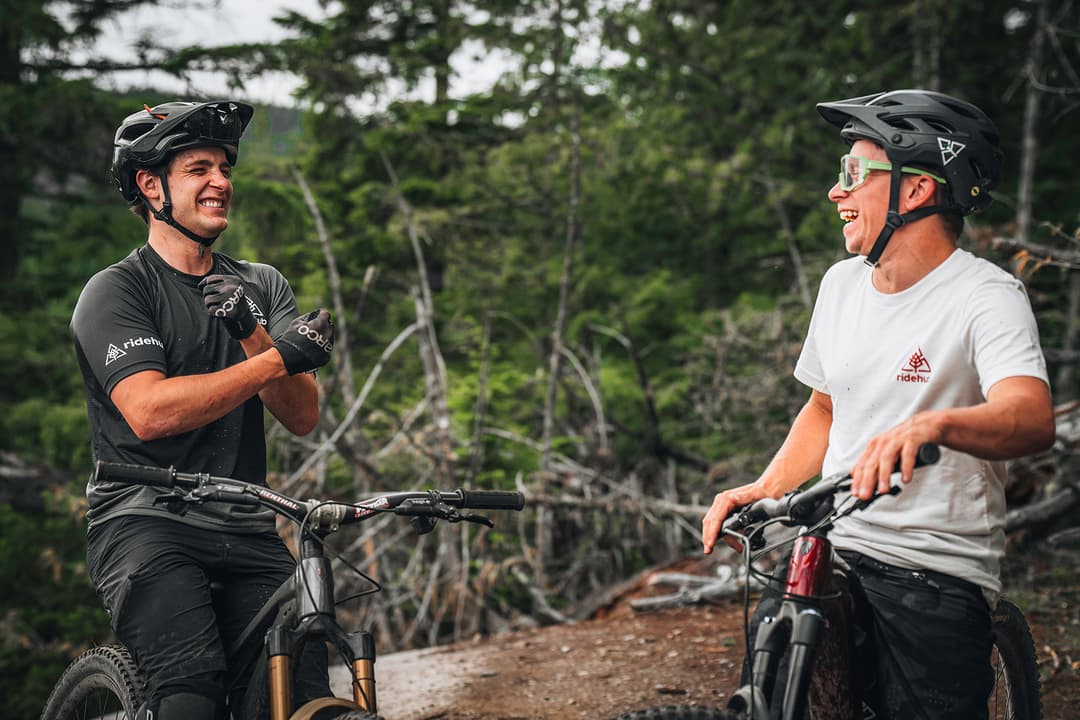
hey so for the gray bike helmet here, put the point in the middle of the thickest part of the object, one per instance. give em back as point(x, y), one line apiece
point(146, 139)
point(931, 131)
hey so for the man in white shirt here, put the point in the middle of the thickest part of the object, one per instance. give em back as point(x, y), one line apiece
point(915, 341)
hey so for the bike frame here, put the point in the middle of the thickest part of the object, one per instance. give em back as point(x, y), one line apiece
point(305, 609)
point(303, 606)
point(814, 620)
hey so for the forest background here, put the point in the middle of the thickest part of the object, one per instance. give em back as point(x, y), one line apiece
point(590, 282)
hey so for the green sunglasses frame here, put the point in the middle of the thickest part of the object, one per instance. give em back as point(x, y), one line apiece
point(866, 165)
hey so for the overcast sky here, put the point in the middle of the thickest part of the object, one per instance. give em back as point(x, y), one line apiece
point(222, 23)
point(235, 21)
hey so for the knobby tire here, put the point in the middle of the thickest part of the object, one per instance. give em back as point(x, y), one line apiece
point(1016, 671)
point(101, 680)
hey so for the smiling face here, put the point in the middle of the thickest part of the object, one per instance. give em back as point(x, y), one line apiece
point(201, 190)
point(864, 208)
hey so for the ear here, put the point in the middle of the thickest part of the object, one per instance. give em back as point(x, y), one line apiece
point(919, 191)
point(149, 184)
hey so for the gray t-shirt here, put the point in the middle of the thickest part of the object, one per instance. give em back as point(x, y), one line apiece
point(141, 314)
point(882, 358)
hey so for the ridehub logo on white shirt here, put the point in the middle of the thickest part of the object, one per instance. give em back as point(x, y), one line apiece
point(916, 369)
point(115, 353)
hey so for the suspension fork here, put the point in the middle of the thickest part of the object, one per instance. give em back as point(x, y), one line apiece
point(280, 642)
point(821, 670)
point(362, 645)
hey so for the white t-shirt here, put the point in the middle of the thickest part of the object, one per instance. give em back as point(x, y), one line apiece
point(942, 343)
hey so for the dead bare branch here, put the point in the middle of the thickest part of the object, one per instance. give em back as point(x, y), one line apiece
point(327, 444)
point(572, 229)
point(594, 396)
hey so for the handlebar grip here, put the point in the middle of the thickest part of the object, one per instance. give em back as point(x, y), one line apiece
point(134, 474)
point(929, 453)
point(492, 500)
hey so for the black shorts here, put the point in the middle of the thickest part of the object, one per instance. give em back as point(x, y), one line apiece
point(930, 637)
point(153, 576)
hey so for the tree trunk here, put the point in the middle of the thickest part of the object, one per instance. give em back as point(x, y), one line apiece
point(1066, 373)
point(1029, 145)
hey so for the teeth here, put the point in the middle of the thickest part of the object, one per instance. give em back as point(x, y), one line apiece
point(848, 215)
point(213, 203)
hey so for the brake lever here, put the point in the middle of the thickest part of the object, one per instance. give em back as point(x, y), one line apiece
point(478, 519)
point(178, 503)
point(861, 504)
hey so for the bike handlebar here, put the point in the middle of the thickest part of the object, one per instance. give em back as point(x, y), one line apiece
point(206, 487)
point(134, 474)
point(799, 504)
point(492, 499)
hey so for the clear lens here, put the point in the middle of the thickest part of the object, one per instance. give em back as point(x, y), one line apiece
point(852, 172)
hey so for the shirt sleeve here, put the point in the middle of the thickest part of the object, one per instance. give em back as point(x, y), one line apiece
point(280, 296)
point(808, 369)
point(1003, 336)
point(114, 327)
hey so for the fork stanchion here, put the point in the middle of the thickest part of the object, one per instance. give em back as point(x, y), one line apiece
point(279, 645)
point(362, 645)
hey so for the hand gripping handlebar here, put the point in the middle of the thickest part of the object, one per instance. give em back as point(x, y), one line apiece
point(793, 503)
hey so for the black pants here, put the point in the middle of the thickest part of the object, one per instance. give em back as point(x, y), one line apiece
point(154, 575)
point(923, 641)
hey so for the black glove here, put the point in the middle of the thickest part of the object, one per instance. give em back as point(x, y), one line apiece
point(306, 345)
point(224, 298)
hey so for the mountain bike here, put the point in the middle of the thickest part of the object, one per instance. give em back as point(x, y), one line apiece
point(104, 681)
point(812, 632)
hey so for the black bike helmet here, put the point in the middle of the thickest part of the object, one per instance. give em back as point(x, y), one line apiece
point(927, 130)
point(146, 139)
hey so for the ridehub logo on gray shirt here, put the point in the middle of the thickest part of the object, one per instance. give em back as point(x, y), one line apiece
point(114, 353)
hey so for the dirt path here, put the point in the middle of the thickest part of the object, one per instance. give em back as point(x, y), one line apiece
point(600, 668)
point(593, 669)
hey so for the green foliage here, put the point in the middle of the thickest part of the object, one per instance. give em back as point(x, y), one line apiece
point(51, 613)
point(694, 136)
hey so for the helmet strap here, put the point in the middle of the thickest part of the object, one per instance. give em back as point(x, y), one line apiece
point(165, 215)
point(894, 220)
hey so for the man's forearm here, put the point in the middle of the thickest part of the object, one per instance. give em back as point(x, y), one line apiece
point(803, 452)
point(155, 406)
point(1016, 420)
point(292, 399)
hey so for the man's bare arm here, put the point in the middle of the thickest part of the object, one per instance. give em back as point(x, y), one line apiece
point(1017, 419)
point(293, 399)
point(156, 406)
point(798, 459)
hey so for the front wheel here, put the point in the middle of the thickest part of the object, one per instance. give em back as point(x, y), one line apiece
point(682, 712)
point(1016, 671)
point(102, 682)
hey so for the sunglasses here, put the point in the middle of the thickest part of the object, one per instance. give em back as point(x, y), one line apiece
point(854, 170)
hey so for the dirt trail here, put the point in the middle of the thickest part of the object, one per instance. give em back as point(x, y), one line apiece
point(600, 668)
point(593, 669)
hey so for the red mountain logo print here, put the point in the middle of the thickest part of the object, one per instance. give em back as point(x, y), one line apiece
point(916, 370)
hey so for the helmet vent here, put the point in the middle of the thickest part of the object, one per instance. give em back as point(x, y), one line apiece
point(901, 124)
point(134, 132)
point(940, 126)
point(960, 109)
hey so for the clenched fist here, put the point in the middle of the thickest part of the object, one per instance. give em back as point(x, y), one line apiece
point(225, 298)
point(306, 345)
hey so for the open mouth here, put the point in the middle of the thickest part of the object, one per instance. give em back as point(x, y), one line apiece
point(849, 215)
point(212, 203)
